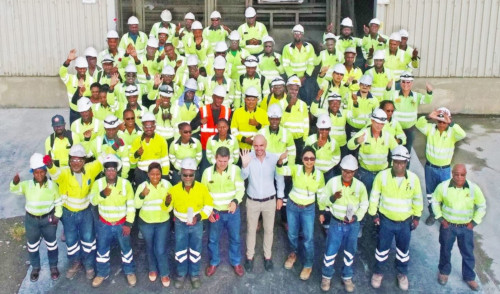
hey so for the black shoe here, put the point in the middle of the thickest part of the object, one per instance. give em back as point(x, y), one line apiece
point(268, 264)
point(35, 273)
point(179, 282)
point(249, 265)
point(430, 220)
point(54, 273)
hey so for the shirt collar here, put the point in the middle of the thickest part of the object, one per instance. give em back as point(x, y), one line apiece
point(401, 93)
point(394, 175)
point(452, 185)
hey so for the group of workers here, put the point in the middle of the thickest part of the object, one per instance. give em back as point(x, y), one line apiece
point(179, 127)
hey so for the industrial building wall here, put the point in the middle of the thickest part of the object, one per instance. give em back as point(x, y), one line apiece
point(456, 38)
point(38, 34)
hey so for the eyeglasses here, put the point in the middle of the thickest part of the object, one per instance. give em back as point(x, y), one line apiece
point(110, 169)
point(76, 160)
point(188, 175)
point(148, 126)
point(305, 158)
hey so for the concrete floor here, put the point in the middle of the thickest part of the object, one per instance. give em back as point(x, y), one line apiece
point(25, 130)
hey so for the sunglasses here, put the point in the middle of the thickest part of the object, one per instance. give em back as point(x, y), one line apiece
point(305, 158)
point(188, 175)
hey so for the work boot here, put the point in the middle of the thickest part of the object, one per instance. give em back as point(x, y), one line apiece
point(442, 279)
point(97, 281)
point(165, 281)
point(54, 273)
point(90, 274)
point(179, 283)
point(152, 276)
point(473, 285)
point(196, 282)
point(249, 265)
point(210, 270)
point(132, 280)
point(73, 270)
point(325, 284)
point(238, 270)
point(377, 280)
point(305, 273)
point(35, 273)
point(348, 285)
point(430, 220)
point(292, 257)
point(403, 282)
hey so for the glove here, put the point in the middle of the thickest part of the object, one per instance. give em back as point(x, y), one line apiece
point(47, 160)
point(414, 224)
point(118, 143)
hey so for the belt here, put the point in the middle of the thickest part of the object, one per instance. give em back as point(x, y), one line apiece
point(402, 221)
point(301, 206)
point(118, 222)
point(436, 166)
point(458, 225)
point(263, 199)
point(40, 216)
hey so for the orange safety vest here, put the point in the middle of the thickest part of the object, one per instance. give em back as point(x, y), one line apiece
point(209, 129)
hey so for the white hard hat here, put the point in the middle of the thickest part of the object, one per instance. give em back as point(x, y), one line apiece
point(36, 161)
point(192, 60)
point(220, 91)
point(298, 28)
point(250, 12)
point(396, 36)
point(111, 122)
point(107, 59)
point(400, 153)
point(349, 162)
point(374, 21)
point(442, 111)
point(112, 158)
point(131, 90)
point(191, 84)
point(163, 30)
point(251, 61)
point(329, 36)
point(77, 151)
point(277, 81)
point(90, 51)
point(346, 22)
point(366, 80)
point(166, 91)
point(274, 111)
point(112, 34)
point(168, 70)
point(131, 68)
point(81, 62)
point(339, 68)
point(403, 33)
point(379, 54)
point(251, 92)
point(406, 76)
point(234, 36)
point(153, 42)
point(221, 46)
point(379, 116)
point(148, 116)
point(166, 15)
point(196, 25)
point(350, 50)
point(83, 104)
point(324, 121)
point(220, 62)
point(189, 163)
point(189, 15)
point(294, 80)
point(334, 97)
point(267, 39)
point(133, 20)
point(215, 14)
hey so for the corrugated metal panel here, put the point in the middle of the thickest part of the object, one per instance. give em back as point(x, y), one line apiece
point(38, 34)
point(456, 38)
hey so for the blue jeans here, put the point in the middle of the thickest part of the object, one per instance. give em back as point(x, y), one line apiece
point(306, 92)
point(400, 231)
point(301, 220)
point(366, 177)
point(80, 234)
point(465, 238)
point(230, 222)
point(188, 248)
point(106, 235)
point(340, 235)
point(35, 229)
point(433, 177)
point(156, 236)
